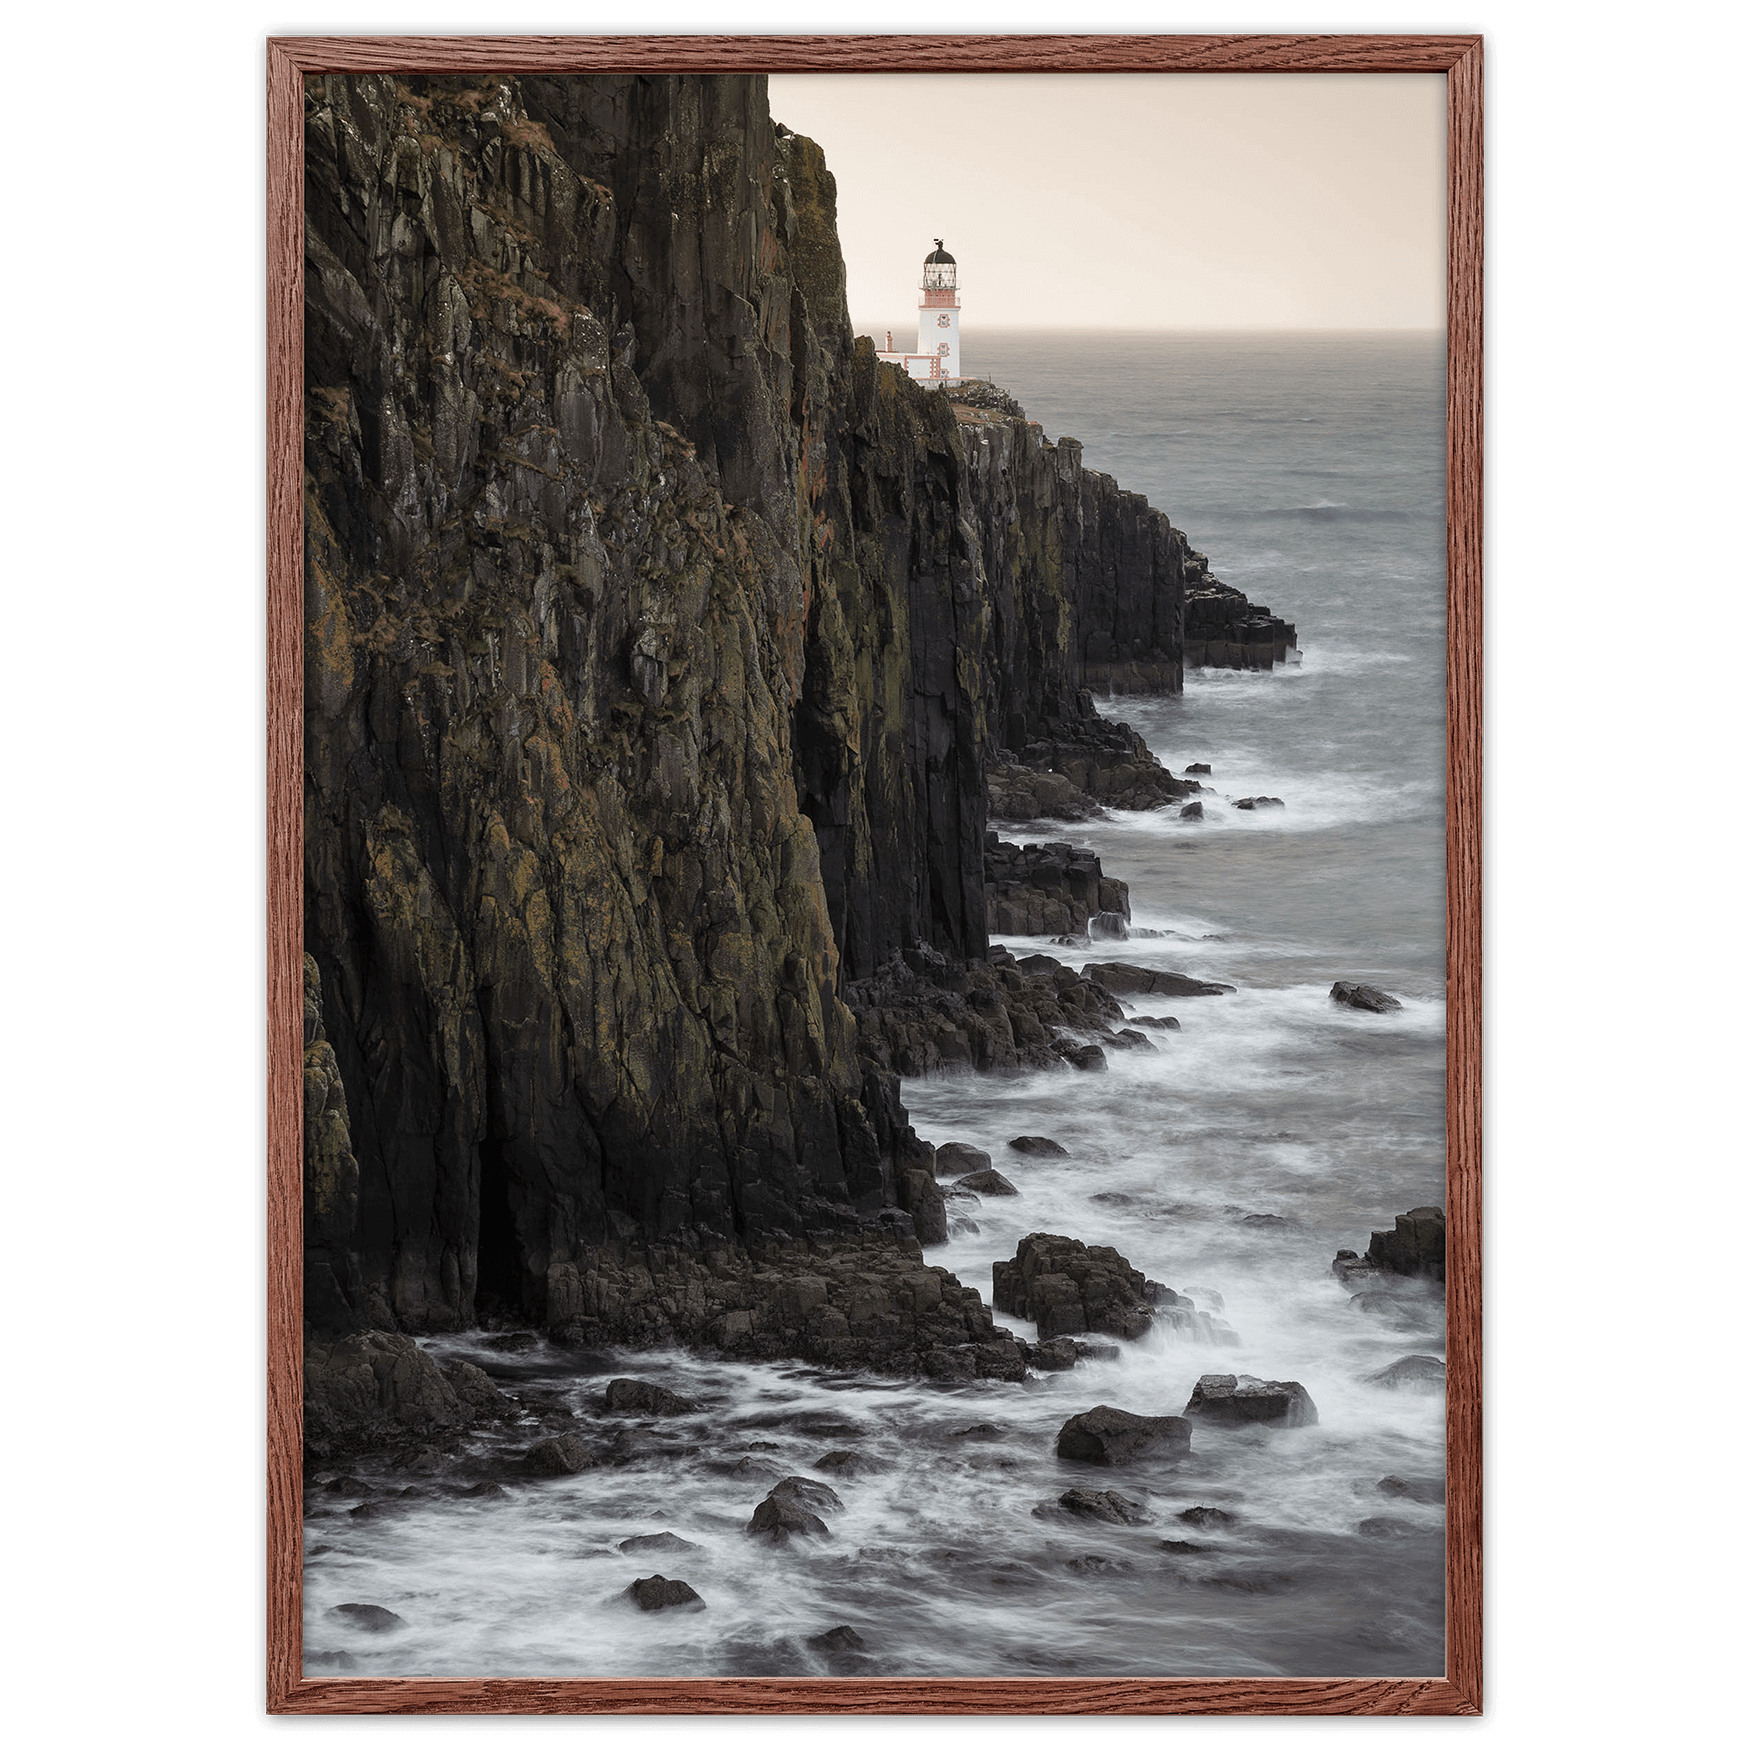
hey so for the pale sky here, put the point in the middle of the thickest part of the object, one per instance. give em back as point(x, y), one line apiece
point(1138, 200)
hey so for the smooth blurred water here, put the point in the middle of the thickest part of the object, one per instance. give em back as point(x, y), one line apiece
point(1230, 1163)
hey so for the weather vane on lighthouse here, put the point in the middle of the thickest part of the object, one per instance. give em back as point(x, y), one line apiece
point(937, 359)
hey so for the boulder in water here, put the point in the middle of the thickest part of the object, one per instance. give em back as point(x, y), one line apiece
point(656, 1593)
point(372, 1618)
point(1210, 1518)
point(1160, 1023)
point(1083, 1057)
point(1104, 1435)
point(642, 1397)
point(990, 1182)
point(1416, 1246)
point(1191, 811)
point(1199, 770)
point(843, 1463)
point(789, 1511)
point(1414, 1373)
point(843, 1639)
point(1037, 1145)
point(1428, 1491)
point(1055, 1355)
point(1237, 1401)
point(1250, 803)
point(1106, 1505)
point(1364, 996)
point(656, 1543)
point(564, 1455)
point(1130, 1040)
point(960, 1157)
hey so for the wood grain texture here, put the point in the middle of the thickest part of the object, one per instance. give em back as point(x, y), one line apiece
point(1460, 58)
point(1464, 874)
point(285, 875)
point(876, 54)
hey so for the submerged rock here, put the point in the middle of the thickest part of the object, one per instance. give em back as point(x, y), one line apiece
point(1038, 1146)
point(1210, 1518)
point(372, 1618)
point(1249, 803)
point(1364, 996)
point(656, 1543)
point(1198, 770)
point(1414, 1373)
point(1427, 1491)
point(1104, 1435)
point(843, 1639)
point(1106, 1505)
point(1236, 1401)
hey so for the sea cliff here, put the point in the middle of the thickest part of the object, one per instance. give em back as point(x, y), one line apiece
point(666, 655)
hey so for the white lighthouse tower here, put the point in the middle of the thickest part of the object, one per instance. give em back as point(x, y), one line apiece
point(937, 359)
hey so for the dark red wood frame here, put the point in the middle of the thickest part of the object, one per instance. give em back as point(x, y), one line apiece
point(1460, 58)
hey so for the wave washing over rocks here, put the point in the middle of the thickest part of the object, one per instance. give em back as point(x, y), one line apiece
point(657, 917)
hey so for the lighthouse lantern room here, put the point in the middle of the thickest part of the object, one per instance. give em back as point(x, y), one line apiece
point(937, 359)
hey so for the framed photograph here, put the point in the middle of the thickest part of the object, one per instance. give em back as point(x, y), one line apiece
point(874, 874)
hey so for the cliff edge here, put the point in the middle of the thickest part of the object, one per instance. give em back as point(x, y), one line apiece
point(660, 646)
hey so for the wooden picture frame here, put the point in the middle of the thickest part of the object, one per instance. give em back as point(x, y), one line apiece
point(1459, 58)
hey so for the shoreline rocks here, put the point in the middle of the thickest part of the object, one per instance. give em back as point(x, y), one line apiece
point(1108, 1436)
point(1132, 981)
point(1067, 1288)
point(1238, 1401)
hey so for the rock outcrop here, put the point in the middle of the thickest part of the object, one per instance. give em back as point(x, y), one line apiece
point(1068, 1288)
point(659, 644)
point(1224, 630)
point(1357, 996)
point(1415, 1246)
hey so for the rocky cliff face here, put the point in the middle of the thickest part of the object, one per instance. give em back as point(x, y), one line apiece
point(658, 644)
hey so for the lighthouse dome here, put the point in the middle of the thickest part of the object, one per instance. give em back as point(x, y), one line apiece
point(938, 257)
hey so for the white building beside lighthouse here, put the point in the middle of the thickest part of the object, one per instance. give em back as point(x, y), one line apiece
point(937, 359)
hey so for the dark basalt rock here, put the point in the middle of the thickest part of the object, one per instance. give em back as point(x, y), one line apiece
point(657, 1593)
point(1198, 770)
point(1191, 811)
point(1240, 1401)
point(1084, 1057)
point(1414, 1373)
point(1131, 1040)
point(1104, 1435)
point(1161, 1023)
point(960, 1158)
point(562, 1456)
point(1050, 889)
point(1249, 803)
point(656, 1543)
point(844, 1463)
point(373, 1388)
point(1416, 1245)
point(372, 1618)
point(642, 1397)
point(1105, 1505)
point(1224, 630)
point(789, 1511)
point(843, 1639)
point(1122, 980)
point(1037, 1145)
point(989, 1182)
point(1210, 1518)
point(1383, 1526)
point(1055, 1355)
point(1067, 1288)
point(1363, 996)
point(617, 1001)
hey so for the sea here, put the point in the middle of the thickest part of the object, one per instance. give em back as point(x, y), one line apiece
point(1231, 1163)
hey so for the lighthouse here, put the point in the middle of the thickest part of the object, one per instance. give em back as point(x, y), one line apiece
point(937, 359)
